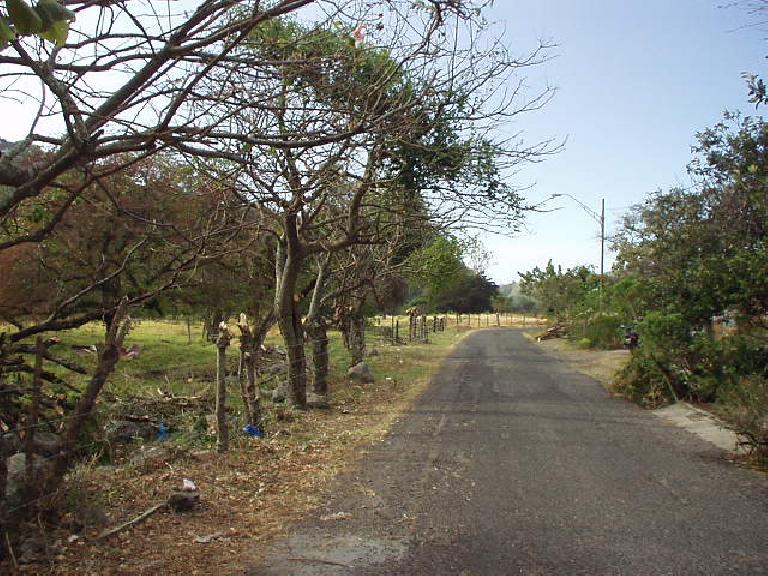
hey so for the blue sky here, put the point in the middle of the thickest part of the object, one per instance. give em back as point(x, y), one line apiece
point(636, 80)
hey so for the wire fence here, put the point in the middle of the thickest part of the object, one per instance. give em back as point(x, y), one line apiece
point(379, 331)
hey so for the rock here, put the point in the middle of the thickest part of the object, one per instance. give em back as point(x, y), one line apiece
point(125, 431)
point(361, 372)
point(183, 501)
point(336, 516)
point(9, 444)
point(16, 480)
point(317, 401)
point(47, 444)
point(149, 457)
point(280, 394)
point(208, 538)
point(211, 424)
point(31, 550)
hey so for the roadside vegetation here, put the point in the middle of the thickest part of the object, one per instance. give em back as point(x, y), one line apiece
point(247, 495)
point(690, 279)
point(272, 173)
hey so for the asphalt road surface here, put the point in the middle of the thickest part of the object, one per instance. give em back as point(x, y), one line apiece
point(511, 463)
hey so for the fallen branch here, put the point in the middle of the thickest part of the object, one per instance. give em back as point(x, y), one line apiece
point(320, 561)
point(140, 518)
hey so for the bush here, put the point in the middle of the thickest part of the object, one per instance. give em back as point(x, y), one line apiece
point(647, 381)
point(605, 332)
point(745, 406)
point(663, 333)
point(602, 331)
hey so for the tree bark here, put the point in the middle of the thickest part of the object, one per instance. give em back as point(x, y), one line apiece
point(318, 332)
point(222, 430)
point(250, 354)
point(289, 261)
point(108, 357)
point(357, 337)
point(317, 329)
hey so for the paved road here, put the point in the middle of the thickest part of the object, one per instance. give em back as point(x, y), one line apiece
point(513, 464)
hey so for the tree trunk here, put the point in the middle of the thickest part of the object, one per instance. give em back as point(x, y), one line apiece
point(357, 338)
point(318, 332)
point(110, 297)
point(242, 373)
point(211, 323)
point(222, 430)
point(293, 335)
point(108, 357)
point(252, 390)
point(250, 354)
point(288, 317)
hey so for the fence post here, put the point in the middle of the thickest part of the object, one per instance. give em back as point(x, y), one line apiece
point(498, 320)
point(397, 331)
point(222, 431)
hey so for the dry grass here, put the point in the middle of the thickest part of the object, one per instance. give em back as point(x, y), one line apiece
point(602, 365)
point(254, 492)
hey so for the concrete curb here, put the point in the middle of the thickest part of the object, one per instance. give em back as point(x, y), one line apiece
point(701, 423)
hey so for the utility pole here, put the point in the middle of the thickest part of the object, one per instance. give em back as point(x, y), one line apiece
point(600, 219)
point(602, 239)
point(602, 250)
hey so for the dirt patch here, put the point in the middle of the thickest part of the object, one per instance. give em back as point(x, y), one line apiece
point(322, 555)
point(601, 365)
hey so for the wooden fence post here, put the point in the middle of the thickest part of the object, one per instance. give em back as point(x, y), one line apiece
point(222, 430)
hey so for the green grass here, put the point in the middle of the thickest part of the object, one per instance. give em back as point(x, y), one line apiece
point(168, 359)
point(172, 362)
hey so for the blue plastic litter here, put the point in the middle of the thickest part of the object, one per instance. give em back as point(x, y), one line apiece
point(254, 431)
point(162, 431)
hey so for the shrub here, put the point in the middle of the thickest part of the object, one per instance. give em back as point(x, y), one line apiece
point(605, 332)
point(745, 405)
point(663, 333)
point(602, 331)
point(647, 381)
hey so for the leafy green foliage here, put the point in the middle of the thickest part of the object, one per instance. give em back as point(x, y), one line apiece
point(559, 293)
point(646, 381)
point(603, 331)
point(447, 283)
point(700, 252)
point(746, 407)
point(48, 19)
